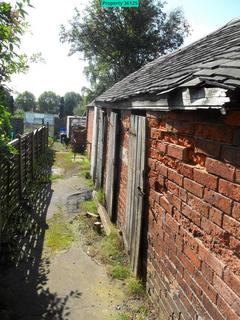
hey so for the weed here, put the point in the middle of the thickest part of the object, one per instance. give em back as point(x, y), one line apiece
point(64, 161)
point(84, 164)
point(110, 249)
point(59, 236)
point(123, 316)
point(90, 184)
point(100, 196)
point(120, 272)
point(89, 206)
point(135, 287)
point(55, 177)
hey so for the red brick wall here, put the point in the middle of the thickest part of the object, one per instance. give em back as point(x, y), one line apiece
point(193, 214)
point(123, 166)
point(90, 116)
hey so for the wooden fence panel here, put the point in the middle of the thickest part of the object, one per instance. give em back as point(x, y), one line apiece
point(18, 171)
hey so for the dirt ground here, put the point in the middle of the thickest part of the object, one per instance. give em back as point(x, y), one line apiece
point(67, 285)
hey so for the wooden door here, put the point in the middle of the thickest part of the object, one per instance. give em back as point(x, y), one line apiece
point(100, 149)
point(135, 189)
point(111, 164)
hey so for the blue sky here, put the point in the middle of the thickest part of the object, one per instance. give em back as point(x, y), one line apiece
point(62, 73)
point(212, 12)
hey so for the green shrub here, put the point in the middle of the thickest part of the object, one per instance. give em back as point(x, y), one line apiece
point(135, 287)
point(120, 272)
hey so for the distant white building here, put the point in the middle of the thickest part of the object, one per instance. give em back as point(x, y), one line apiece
point(37, 118)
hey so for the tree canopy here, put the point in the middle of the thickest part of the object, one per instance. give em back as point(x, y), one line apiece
point(26, 101)
point(118, 41)
point(71, 101)
point(12, 26)
point(49, 102)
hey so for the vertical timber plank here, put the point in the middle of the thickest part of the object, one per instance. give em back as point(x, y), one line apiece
point(20, 166)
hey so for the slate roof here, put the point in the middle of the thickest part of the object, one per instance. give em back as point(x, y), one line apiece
point(214, 60)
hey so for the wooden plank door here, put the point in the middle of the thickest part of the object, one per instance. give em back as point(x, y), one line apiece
point(111, 164)
point(100, 149)
point(135, 189)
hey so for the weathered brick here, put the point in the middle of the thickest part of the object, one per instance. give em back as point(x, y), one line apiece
point(232, 280)
point(210, 259)
point(177, 152)
point(155, 133)
point(197, 204)
point(226, 310)
point(192, 256)
point(186, 170)
point(175, 201)
point(151, 163)
point(186, 263)
point(229, 189)
point(225, 292)
point(236, 211)
point(162, 146)
point(232, 226)
point(173, 187)
point(153, 153)
point(165, 204)
point(211, 228)
point(237, 178)
point(216, 216)
point(205, 179)
point(208, 147)
point(175, 177)
point(193, 187)
point(218, 200)
point(220, 169)
point(160, 168)
point(231, 154)
point(191, 214)
point(234, 245)
point(216, 132)
point(207, 272)
point(172, 223)
point(205, 286)
point(193, 284)
point(182, 193)
point(211, 308)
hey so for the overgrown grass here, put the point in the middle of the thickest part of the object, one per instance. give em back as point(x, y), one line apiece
point(119, 271)
point(100, 196)
point(123, 316)
point(135, 287)
point(55, 177)
point(89, 206)
point(59, 235)
point(84, 167)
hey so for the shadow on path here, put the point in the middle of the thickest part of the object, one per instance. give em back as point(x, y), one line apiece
point(24, 294)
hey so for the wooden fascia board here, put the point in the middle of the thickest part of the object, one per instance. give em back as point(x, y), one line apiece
point(183, 99)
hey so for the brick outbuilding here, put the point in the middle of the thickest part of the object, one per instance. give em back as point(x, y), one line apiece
point(166, 150)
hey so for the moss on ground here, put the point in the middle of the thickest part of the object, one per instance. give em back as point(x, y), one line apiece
point(59, 235)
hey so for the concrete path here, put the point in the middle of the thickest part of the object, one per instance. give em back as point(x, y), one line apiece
point(65, 286)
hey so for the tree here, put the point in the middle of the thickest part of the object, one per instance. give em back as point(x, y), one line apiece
point(12, 26)
point(71, 101)
point(49, 102)
point(26, 101)
point(118, 41)
point(6, 99)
